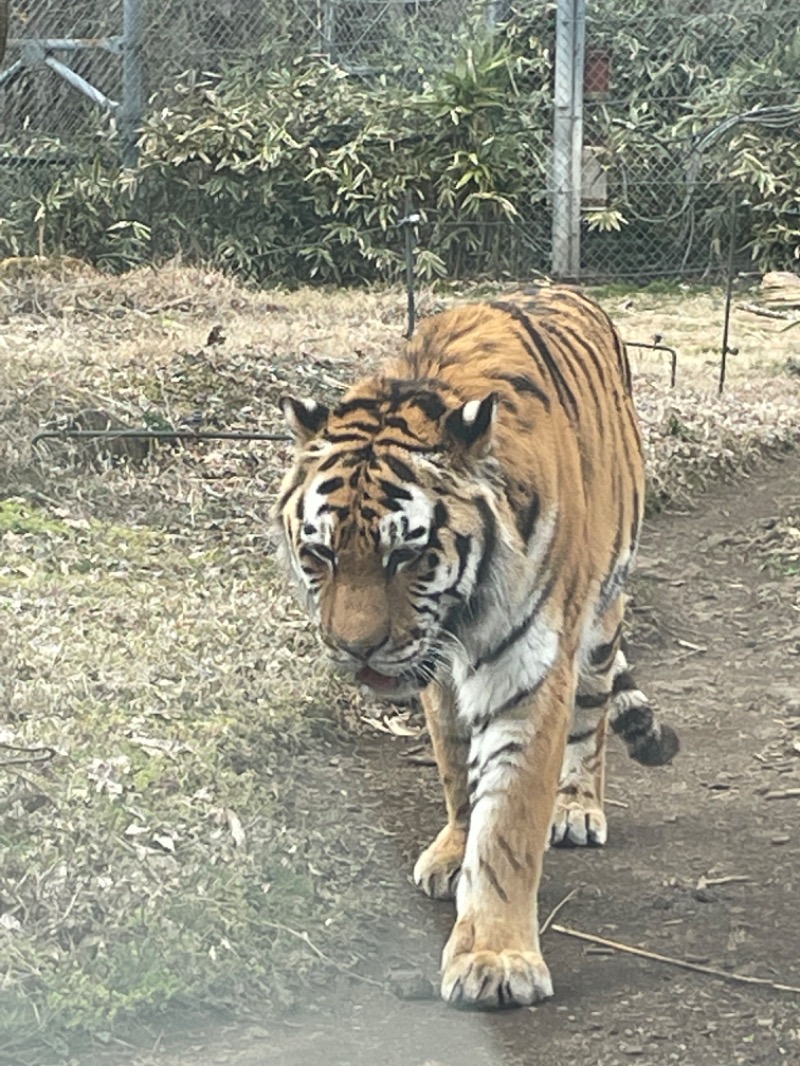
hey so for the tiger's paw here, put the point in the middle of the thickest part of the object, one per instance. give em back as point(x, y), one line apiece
point(436, 870)
point(578, 822)
point(495, 980)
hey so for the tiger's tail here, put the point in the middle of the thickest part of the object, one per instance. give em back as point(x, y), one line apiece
point(632, 717)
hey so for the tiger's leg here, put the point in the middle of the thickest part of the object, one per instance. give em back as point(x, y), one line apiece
point(493, 958)
point(578, 819)
point(437, 869)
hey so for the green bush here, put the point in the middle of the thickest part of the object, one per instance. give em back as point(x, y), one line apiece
point(301, 172)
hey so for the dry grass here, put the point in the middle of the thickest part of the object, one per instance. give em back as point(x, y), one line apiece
point(161, 689)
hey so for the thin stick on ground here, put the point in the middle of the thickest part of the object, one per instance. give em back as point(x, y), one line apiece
point(559, 906)
point(711, 971)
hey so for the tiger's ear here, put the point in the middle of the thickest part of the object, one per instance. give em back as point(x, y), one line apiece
point(305, 418)
point(471, 424)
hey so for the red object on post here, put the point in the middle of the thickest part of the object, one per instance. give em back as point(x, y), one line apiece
point(597, 69)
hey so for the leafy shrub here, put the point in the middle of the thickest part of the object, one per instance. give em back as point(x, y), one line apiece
point(300, 172)
point(303, 174)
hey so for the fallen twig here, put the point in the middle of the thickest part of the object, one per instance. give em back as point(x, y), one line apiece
point(704, 882)
point(696, 967)
point(782, 794)
point(765, 312)
point(549, 919)
point(31, 755)
point(692, 647)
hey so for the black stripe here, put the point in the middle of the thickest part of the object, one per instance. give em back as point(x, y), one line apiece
point(463, 545)
point(513, 747)
point(576, 738)
point(565, 393)
point(417, 449)
point(572, 341)
point(363, 427)
point(636, 524)
point(326, 464)
point(591, 701)
point(423, 608)
point(399, 468)
point(396, 421)
point(492, 877)
point(393, 491)
point(518, 631)
point(522, 383)
point(392, 505)
point(431, 404)
point(526, 519)
point(489, 540)
point(440, 515)
point(428, 401)
point(513, 702)
point(331, 485)
point(602, 652)
point(505, 847)
point(363, 403)
point(346, 438)
point(624, 682)
point(623, 362)
point(284, 499)
point(320, 551)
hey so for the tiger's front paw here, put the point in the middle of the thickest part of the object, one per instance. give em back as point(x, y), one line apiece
point(493, 980)
point(578, 822)
point(437, 869)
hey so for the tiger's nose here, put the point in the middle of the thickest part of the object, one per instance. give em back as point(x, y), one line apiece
point(362, 649)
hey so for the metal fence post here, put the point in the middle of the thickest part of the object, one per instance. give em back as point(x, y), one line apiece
point(3, 27)
point(132, 107)
point(568, 137)
point(328, 36)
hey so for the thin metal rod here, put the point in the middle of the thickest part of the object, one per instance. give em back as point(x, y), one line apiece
point(81, 84)
point(407, 223)
point(728, 294)
point(11, 72)
point(655, 347)
point(130, 114)
point(153, 434)
point(71, 44)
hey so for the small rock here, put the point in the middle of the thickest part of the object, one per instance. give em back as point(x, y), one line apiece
point(411, 984)
point(704, 895)
point(661, 903)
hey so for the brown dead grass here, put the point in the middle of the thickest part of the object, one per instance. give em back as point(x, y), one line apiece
point(162, 683)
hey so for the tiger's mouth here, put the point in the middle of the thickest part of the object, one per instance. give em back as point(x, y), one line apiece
point(379, 682)
point(405, 684)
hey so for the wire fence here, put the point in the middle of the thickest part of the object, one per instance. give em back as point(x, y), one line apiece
point(627, 151)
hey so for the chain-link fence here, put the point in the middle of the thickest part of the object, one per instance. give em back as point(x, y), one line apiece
point(665, 86)
point(591, 140)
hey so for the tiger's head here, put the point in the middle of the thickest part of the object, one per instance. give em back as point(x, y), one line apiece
point(386, 524)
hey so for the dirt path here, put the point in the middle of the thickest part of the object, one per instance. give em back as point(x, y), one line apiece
point(717, 642)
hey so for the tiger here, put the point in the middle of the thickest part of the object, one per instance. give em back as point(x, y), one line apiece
point(461, 527)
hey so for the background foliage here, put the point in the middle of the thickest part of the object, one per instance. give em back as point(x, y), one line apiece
point(298, 169)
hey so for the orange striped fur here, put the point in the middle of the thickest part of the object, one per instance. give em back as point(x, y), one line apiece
point(462, 526)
